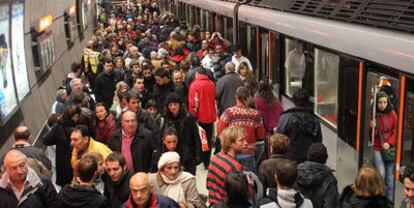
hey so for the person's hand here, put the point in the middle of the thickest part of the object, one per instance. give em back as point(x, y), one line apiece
point(372, 124)
point(250, 181)
point(386, 145)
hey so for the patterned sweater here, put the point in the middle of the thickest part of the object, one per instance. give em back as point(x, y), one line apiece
point(248, 118)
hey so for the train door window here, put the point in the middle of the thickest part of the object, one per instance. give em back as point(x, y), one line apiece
point(228, 28)
point(209, 22)
point(187, 16)
point(264, 56)
point(299, 66)
point(348, 101)
point(197, 16)
point(274, 60)
point(389, 84)
point(247, 41)
point(407, 156)
point(191, 16)
point(326, 86)
point(202, 20)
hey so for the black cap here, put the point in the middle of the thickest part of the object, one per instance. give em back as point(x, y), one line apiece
point(173, 98)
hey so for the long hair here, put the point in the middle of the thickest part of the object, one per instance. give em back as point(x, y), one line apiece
point(265, 91)
point(369, 182)
point(389, 107)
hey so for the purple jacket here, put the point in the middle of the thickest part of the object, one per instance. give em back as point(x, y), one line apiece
point(270, 113)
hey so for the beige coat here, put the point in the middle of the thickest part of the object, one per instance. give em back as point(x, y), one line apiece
point(189, 186)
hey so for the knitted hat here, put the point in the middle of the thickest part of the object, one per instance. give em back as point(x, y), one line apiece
point(153, 55)
point(162, 53)
point(172, 97)
point(168, 158)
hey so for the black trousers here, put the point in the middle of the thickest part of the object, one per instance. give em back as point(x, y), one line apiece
point(209, 132)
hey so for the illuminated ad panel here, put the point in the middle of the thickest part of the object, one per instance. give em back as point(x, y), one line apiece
point(8, 101)
point(18, 51)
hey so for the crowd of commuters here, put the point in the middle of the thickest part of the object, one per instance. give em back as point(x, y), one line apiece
point(150, 100)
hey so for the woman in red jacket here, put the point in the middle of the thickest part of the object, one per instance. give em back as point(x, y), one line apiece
point(385, 125)
point(105, 123)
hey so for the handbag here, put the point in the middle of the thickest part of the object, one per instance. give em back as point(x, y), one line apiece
point(389, 154)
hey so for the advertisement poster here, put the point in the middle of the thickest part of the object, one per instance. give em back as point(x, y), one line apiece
point(18, 52)
point(46, 50)
point(7, 94)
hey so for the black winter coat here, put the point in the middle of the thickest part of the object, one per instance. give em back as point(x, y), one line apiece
point(104, 88)
point(317, 183)
point(59, 135)
point(141, 148)
point(302, 126)
point(77, 196)
point(160, 94)
point(189, 144)
point(117, 193)
point(348, 199)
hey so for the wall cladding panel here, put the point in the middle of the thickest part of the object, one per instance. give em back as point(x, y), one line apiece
point(36, 107)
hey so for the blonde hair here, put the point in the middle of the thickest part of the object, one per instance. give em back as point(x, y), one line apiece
point(229, 136)
point(369, 182)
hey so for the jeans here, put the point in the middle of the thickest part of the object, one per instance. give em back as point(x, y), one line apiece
point(259, 149)
point(248, 162)
point(386, 169)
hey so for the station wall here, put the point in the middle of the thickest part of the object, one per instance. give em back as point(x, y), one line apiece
point(34, 109)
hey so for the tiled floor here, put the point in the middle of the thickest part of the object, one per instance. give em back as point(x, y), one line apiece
point(201, 176)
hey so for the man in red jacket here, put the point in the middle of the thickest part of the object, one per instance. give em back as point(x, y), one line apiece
point(202, 103)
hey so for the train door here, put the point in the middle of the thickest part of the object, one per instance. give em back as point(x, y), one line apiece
point(374, 81)
point(407, 156)
point(377, 79)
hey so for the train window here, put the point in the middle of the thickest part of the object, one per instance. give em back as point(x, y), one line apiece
point(326, 86)
point(407, 156)
point(299, 66)
point(348, 101)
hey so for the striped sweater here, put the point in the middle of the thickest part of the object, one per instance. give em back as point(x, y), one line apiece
point(220, 165)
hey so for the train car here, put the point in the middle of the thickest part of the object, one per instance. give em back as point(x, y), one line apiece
point(340, 64)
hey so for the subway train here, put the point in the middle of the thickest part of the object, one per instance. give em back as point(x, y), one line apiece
point(341, 64)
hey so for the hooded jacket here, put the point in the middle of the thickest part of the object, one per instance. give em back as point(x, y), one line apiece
point(284, 199)
point(77, 196)
point(302, 126)
point(189, 144)
point(317, 182)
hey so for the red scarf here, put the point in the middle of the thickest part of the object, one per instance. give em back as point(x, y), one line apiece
point(131, 203)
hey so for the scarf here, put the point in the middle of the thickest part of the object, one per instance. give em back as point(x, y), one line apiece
point(174, 188)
